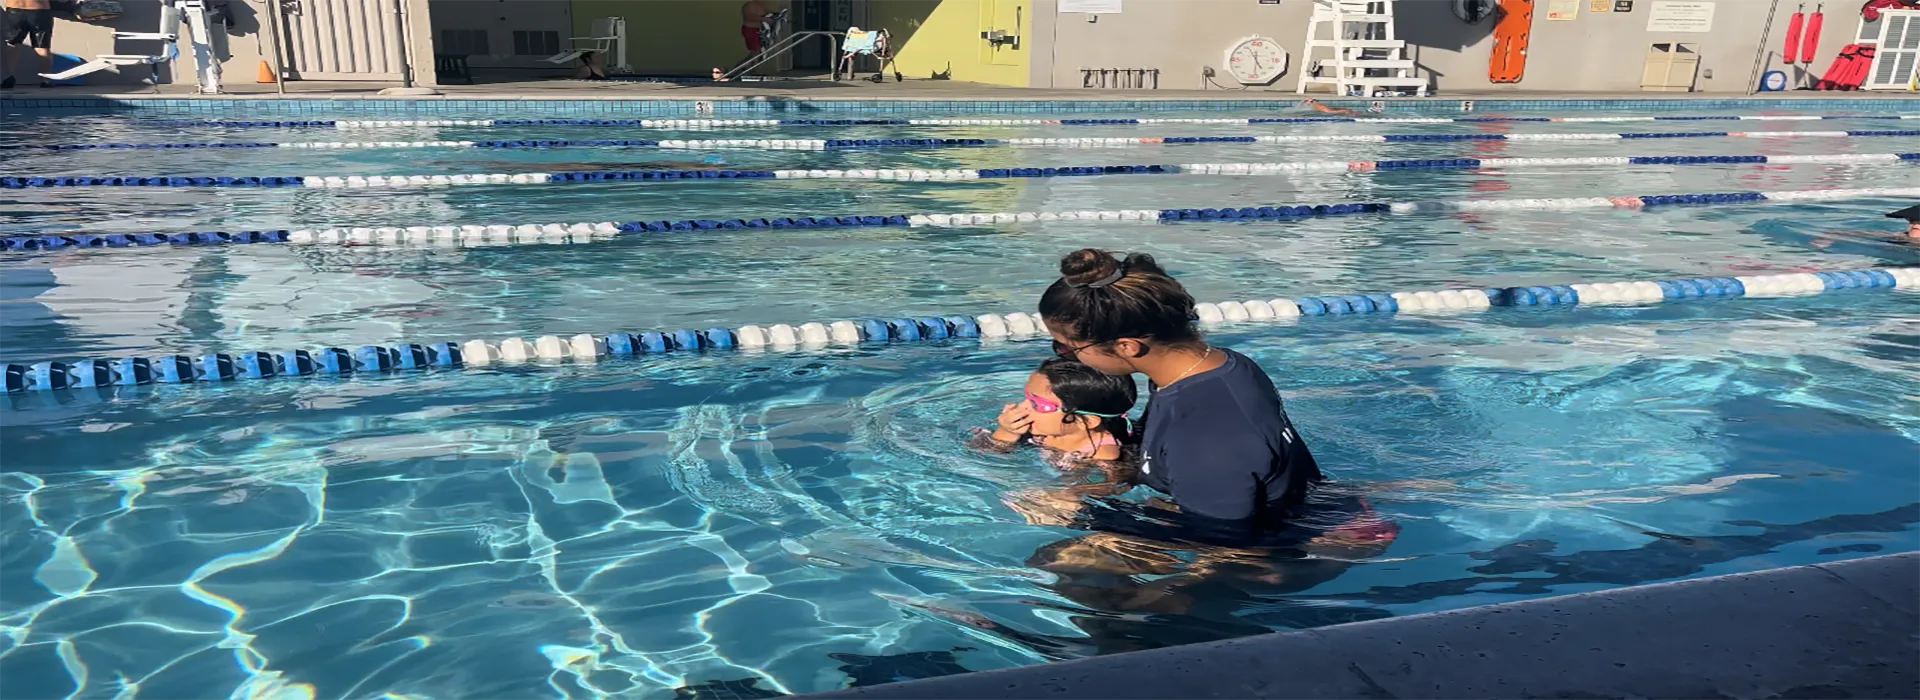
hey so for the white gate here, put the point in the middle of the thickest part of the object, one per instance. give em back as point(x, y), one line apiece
point(342, 39)
point(1897, 57)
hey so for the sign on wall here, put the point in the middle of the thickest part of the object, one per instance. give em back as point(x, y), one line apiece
point(1672, 16)
point(1598, 6)
point(1622, 5)
point(1101, 7)
point(1563, 10)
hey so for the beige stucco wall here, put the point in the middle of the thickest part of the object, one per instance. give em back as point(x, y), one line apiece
point(1594, 52)
point(248, 43)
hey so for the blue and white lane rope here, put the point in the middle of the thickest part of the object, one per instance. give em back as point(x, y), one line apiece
point(552, 349)
point(742, 123)
point(590, 232)
point(676, 144)
point(914, 143)
point(917, 175)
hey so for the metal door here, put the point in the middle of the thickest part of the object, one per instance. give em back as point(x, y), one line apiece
point(342, 39)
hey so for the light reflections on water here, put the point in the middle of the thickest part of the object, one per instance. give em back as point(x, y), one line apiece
point(785, 523)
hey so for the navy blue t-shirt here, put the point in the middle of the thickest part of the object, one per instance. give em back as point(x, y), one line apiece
point(1220, 443)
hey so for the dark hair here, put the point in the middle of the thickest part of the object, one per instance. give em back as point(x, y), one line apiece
point(1083, 389)
point(1100, 299)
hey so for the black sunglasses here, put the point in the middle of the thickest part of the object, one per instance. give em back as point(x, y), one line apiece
point(1070, 352)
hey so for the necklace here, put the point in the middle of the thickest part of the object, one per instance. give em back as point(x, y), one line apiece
point(1195, 365)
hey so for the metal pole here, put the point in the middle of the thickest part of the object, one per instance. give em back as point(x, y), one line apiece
point(1760, 55)
point(273, 28)
point(406, 57)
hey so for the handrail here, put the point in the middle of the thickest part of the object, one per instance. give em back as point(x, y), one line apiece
point(786, 44)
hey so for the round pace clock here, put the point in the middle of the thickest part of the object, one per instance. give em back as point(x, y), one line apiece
point(1256, 60)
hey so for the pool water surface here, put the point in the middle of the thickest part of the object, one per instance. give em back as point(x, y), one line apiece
point(740, 524)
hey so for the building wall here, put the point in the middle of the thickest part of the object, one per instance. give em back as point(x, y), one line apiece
point(498, 20)
point(248, 43)
point(672, 37)
point(1594, 52)
point(936, 36)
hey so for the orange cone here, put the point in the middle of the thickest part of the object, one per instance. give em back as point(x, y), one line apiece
point(266, 74)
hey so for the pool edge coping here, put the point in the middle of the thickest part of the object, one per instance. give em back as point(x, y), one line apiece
point(1836, 629)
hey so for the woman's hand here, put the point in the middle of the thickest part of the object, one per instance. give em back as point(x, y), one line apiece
point(1015, 423)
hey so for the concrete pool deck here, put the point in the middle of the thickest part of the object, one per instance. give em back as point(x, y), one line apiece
point(823, 90)
point(1843, 630)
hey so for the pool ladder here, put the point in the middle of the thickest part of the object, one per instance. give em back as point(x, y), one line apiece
point(785, 45)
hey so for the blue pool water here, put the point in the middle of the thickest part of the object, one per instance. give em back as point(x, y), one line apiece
point(738, 525)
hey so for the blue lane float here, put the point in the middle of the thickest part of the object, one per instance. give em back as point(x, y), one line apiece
point(211, 368)
point(930, 143)
point(920, 175)
point(582, 233)
point(346, 124)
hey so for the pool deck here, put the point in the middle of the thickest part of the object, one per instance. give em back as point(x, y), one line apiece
point(822, 90)
point(1843, 630)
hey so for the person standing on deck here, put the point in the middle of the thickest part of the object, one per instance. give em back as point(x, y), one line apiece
point(753, 14)
point(26, 22)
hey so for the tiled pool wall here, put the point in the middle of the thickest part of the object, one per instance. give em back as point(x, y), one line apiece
point(765, 106)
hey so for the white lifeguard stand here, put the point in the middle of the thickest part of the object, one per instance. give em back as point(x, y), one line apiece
point(1361, 55)
point(609, 40)
point(194, 12)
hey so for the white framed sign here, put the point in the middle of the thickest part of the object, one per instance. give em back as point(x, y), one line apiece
point(1675, 16)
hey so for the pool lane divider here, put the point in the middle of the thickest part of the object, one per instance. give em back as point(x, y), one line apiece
point(470, 235)
point(348, 124)
point(916, 143)
point(918, 175)
point(584, 347)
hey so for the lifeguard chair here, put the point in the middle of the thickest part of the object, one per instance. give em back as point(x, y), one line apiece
point(607, 47)
point(168, 34)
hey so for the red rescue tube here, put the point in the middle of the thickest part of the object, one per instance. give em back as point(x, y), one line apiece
point(1812, 38)
point(1790, 52)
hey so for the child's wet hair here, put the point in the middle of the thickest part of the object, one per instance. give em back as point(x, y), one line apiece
point(1101, 298)
point(1085, 390)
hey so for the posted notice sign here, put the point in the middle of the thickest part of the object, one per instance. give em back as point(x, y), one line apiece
point(1672, 16)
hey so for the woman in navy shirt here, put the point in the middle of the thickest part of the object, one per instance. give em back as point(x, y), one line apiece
point(1217, 438)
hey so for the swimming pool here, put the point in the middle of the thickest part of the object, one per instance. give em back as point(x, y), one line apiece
point(735, 524)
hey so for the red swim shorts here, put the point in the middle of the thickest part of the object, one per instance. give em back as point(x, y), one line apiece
point(752, 35)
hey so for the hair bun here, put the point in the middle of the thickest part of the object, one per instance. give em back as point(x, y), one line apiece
point(1088, 265)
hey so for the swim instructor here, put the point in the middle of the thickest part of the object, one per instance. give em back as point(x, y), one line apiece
point(1217, 437)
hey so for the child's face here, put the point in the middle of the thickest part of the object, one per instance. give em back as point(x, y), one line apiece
point(1048, 418)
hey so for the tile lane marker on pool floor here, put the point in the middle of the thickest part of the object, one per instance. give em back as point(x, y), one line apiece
point(472, 235)
point(930, 143)
point(335, 361)
point(742, 123)
point(914, 175)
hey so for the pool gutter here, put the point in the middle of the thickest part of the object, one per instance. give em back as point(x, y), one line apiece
point(1843, 630)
